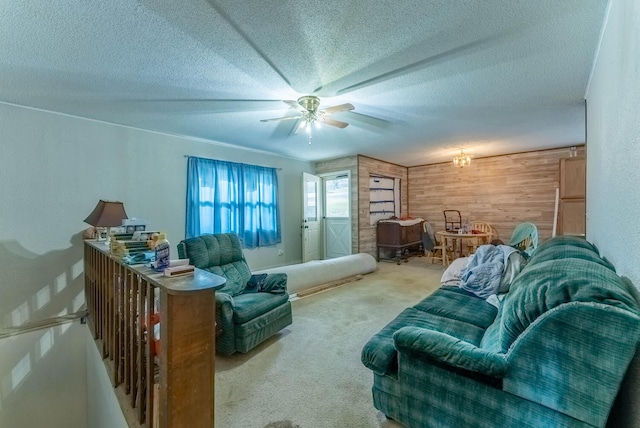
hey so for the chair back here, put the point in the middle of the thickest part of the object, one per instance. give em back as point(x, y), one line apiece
point(452, 220)
point(525, 238)
point(220, 254)
point(428, 237)
point(483, 227)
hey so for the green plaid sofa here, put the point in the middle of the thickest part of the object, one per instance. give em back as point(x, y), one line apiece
point(553, 355)
point(249, 308)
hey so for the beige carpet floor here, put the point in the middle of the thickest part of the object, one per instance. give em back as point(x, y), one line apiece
point(310, 374)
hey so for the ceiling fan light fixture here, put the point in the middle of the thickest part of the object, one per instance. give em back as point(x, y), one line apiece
point(308, 114)
point(461, 160)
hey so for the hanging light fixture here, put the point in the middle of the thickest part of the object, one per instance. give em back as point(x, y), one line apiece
point(461, 160)
point(308, 120)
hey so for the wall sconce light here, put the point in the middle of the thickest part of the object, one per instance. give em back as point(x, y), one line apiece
point(106, 214)
point(461, 160)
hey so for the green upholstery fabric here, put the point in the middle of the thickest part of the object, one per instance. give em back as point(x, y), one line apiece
point(249, 309)
point(220, 254)
point(522, 232)
point(554, 354)
point(448, 316)
point(547, 285)
point(449, 350)
point(251, 305)
point(451, 302)
point(574, 241)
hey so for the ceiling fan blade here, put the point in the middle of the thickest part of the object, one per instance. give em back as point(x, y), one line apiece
point(295, 105)
point(280, 118)
point(333, 122)
point(284, 129)
point(336, 109)
point(368, 121)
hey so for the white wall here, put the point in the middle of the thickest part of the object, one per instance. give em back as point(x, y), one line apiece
point(53, 170)
point(103, 407)
point(613, 174)
point(43, 378)
point(613, 142)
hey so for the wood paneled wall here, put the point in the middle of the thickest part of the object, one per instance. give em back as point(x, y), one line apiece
point(366, 167)
point(502, 190)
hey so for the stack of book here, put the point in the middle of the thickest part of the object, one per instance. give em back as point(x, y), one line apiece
point(121, 248)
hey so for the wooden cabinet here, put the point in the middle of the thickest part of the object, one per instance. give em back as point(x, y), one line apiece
point(572, 206)
point(395, 236)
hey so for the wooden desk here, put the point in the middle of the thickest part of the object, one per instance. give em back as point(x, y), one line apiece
point(455, 239)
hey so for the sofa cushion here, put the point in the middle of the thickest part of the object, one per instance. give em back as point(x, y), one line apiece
point(251, 305)
point(455, 303)
point(568, 251)
point(549, 284)
point(380, 355)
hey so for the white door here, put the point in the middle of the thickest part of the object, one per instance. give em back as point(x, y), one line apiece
point(311, 212)
point(337, 215)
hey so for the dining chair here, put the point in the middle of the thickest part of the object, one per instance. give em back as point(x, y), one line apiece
point(483, 227)
point(525, 238)
point(433, 248)
point(452, 220)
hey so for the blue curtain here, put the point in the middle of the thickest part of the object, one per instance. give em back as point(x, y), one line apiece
point(228, 197)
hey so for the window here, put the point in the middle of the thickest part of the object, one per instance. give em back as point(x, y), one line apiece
point(228, 197)
point(337, 197)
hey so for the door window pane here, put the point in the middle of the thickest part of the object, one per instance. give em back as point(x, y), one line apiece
point(337, 197)
point(311, 208)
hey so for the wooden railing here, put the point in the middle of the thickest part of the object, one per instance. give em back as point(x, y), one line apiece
point(165, 383)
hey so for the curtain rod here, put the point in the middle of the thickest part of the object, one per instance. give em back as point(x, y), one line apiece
point(190, 156)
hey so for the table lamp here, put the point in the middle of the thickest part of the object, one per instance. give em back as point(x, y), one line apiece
point(106, 214)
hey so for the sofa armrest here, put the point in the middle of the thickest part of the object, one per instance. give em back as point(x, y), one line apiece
point(450, 351)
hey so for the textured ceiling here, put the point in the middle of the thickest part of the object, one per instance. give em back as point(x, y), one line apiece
point(427, 78)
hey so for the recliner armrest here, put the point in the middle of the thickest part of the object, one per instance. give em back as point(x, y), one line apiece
point(225, 307)
point(450, 351)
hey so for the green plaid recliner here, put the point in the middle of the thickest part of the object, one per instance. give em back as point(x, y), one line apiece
point(249, 308)
point(553, 355)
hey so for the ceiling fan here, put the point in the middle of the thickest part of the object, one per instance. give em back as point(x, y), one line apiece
point(307, 106)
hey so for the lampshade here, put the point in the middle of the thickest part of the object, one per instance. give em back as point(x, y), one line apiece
point(107, 214)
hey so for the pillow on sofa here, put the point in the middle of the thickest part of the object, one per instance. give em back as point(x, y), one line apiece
point(548, 284)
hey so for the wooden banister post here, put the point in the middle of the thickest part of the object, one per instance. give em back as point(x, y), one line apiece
point(187, 355)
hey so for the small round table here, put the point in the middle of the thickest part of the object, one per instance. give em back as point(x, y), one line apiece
point(455, 239)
